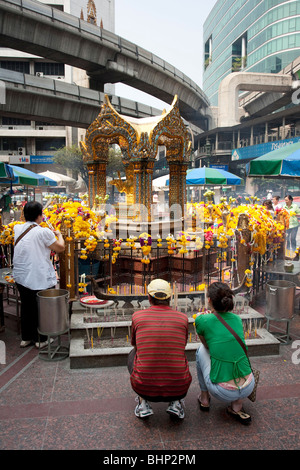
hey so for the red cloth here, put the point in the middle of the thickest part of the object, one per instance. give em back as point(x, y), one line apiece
point(160, 369)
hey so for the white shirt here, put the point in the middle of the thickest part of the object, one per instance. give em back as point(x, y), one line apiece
point(32, 267)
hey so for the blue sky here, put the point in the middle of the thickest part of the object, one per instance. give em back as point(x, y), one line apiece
point(171, 29)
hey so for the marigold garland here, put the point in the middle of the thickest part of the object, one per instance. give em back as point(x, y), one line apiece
point(145, 243)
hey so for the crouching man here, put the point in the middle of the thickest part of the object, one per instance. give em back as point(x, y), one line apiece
point(159, 370)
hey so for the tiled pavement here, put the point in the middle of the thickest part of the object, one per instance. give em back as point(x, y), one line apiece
point(48, 406)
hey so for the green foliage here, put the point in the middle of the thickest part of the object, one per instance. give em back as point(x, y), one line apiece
point(71, 157)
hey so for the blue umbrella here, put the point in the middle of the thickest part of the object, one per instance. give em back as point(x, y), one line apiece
point(29, 178)
point(26, 177)
point(213, 176)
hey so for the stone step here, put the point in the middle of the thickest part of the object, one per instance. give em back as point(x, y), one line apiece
point(107, 324)
point(80, 357)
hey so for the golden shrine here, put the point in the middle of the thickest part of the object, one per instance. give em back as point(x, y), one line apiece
point(138, 140)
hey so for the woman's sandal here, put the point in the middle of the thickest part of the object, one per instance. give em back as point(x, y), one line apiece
point(240, 416)
point(203, 407)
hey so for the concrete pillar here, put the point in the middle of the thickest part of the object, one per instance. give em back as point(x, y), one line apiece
point(283, 128)
point(266, 133)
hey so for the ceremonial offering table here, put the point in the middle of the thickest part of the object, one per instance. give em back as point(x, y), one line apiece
point(277, 270)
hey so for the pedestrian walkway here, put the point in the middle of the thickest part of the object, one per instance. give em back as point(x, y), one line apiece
point(48, 406)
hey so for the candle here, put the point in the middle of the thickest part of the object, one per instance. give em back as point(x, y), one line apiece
point(92, 342)
point(190, 337)
point(127, 338)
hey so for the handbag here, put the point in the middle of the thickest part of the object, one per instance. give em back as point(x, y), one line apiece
point(255, 372)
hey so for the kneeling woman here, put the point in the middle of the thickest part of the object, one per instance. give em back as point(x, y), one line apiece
point(222, 366)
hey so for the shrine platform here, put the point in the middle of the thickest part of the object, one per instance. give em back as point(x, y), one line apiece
point(112, 348)
point(49, 406)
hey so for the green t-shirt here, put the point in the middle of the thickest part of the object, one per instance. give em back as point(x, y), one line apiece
point(293, 222)
point(228, 360)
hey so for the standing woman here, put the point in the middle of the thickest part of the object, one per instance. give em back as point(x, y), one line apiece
point(291, 233)
point(222, 366)
point(32, 268)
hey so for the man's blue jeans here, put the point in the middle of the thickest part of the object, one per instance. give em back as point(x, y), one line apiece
point(203, 364)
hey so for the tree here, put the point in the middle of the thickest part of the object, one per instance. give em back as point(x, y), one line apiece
point(115, 163)
point(71, 158)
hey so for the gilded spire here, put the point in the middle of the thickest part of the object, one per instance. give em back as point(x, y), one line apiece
point(91, 12)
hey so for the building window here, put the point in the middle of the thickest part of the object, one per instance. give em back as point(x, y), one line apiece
point(208, 52)
point(9, 121)
point(239, 54)
point(50, 68)
point(15, 65)
point(11, 144)
point(49, 145)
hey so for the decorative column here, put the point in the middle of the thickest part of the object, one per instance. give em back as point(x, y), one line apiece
point(143, 171)
point(66, 259)
point(92, 183)
point(177, 184)
point(97, 181)
point(173, 183)
point(243, 249)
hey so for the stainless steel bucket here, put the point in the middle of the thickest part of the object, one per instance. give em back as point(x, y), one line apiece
point(280, 299)
point(53, 311)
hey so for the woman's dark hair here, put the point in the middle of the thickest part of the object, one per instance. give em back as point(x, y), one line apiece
point(268, 204)
point(221, 296)
point(289, 197)
point(32, 210)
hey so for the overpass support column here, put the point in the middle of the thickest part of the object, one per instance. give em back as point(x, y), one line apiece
point(266, 133)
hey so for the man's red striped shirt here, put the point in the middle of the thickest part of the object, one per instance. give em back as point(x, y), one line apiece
point(160, 369)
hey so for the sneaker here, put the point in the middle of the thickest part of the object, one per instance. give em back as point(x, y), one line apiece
point(143, 409)
point(175, 408)
point(24, 344)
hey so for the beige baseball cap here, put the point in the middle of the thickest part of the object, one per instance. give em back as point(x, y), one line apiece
point(159, 289)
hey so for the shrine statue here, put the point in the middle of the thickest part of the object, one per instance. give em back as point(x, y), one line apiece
point(125, 186)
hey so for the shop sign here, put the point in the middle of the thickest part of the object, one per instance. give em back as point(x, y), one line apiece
point(254, 151)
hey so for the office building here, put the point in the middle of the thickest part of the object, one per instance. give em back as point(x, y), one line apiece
point(254, 36)
point(23, 141)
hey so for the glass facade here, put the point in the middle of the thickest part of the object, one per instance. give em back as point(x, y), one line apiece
point(251, 35)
